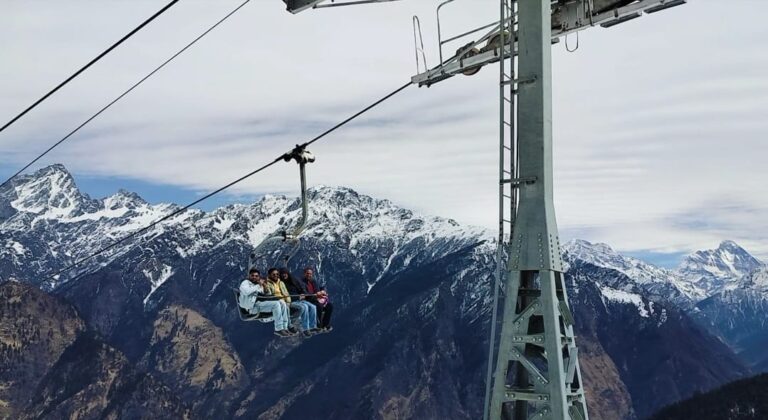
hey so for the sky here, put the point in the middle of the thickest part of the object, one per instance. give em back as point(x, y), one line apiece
point(660, 123)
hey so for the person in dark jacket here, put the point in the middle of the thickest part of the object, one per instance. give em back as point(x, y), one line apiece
point(320, 300)
point(299, 293)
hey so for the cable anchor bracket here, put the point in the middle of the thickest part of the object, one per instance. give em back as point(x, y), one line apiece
point(300, 154)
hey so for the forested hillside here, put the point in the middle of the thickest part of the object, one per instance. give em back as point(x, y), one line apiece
point(743, 399)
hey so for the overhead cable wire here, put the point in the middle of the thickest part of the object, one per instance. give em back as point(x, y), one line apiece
point(225, 187)
point(361, 112)
point(92, 62)
point(122, 95)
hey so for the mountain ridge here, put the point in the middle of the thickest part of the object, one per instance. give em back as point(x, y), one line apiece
point(412, 294)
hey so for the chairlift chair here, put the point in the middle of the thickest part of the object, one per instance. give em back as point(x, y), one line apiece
point(302, 157)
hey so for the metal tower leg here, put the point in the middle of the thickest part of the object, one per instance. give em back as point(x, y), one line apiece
point(536, 374)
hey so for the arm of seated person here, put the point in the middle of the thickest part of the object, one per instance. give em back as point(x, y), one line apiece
point(263, 297)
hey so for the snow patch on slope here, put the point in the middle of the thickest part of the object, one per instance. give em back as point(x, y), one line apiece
point(626, 297)
point(157, 278)
point(17, 247)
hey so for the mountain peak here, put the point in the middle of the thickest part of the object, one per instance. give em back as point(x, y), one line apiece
point(729, 245)
point(580, 245)
point(51, 188)
point(56, 174)
point(124, 198)
point(54, 168)
point(716, 268)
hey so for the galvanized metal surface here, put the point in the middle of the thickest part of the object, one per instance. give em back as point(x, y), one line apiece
point(567, 18)
point(536, 371)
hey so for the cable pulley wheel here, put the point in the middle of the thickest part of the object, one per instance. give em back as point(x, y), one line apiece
point(465, 52)
point(495, 42)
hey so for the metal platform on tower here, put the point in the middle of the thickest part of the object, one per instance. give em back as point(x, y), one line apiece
point(567, 17)
point(296, 6)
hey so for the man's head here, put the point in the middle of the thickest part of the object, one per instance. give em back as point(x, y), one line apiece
point(273, 274)
point(308, 273)
point(254, 275)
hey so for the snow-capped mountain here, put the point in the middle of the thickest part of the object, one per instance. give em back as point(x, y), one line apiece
point(725, 290)
point(48, 224)
point(411, 291)
point(656, 283)
point(734, 301)
point(714, 270)
point(737, 314)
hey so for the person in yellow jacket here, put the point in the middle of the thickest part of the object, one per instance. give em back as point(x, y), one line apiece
point(278, 289)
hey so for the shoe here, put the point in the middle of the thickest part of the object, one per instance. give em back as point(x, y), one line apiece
point(306, 334)
point(328, 329)
point(293, 330)
point(283, 333)
point(316, 330)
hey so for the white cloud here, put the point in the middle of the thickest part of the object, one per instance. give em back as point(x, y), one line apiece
point(655, 120)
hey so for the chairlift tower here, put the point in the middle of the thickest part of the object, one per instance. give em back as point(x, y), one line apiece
point(533, 368)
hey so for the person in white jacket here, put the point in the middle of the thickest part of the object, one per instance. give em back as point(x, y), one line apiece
point(254, 299)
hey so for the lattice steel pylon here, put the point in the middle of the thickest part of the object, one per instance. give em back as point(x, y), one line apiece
point(536, 373)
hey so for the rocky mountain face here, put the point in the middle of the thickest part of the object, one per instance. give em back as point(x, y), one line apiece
point(737, 314)
point(668, 357)
point(724, 289)
point(52, 366)
point(412, 297)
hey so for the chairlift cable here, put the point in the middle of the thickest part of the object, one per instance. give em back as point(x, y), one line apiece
point(129, 90)
point(361, 112)
point(225, 187)
point(92, 62)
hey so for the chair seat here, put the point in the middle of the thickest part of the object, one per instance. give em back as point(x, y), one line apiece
point(247, 316)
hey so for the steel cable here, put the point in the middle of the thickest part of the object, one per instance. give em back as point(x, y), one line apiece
point(225, 187)
point(92, 62)
point(134, 86)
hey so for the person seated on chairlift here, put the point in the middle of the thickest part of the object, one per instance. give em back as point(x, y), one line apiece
point(320, 299)
point(296, 289)
point(255, 298)
point(277, 288)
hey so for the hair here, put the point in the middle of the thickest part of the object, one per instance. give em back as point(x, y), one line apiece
point(308, 268)
point(290, 276)
point(253, 270)
point(271, 270)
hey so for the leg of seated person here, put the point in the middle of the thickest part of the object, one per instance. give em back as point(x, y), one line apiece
point(285, 315)
point(325, 320)
point(319, 310)
point(303, 314)
point(277, 313)
point(311, 319)
point(312, 311)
